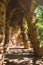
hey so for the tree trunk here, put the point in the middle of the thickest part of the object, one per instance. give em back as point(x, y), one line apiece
point(34, 38)
point(6, 34)
point(25, 42)
point(7, 24)
point(33, 33)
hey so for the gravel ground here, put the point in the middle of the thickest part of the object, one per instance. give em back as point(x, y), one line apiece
point(22, 58)
point(24, 61)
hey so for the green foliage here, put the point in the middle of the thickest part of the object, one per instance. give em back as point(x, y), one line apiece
point(25, 25)
point(39, 24)
point(39, 13)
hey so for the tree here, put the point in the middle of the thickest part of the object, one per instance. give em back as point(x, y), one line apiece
point(39, 24)
point(5, 25)
point(33, 33)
